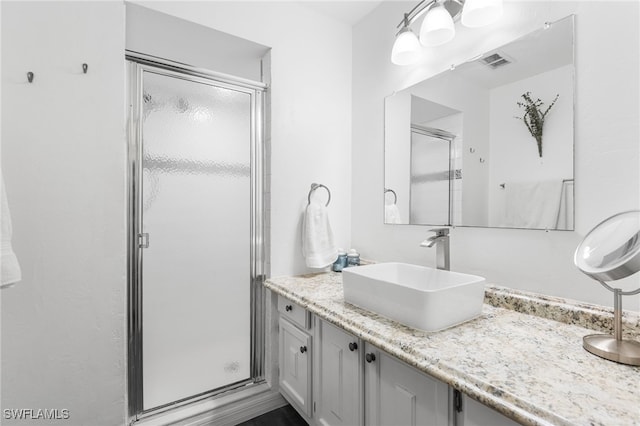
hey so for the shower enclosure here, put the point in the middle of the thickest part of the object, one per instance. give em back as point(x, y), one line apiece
point(196, 234)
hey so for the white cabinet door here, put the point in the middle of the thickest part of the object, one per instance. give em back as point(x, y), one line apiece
point(399, 395)
point(475, 414)
point(338, 377)
point(295, 365)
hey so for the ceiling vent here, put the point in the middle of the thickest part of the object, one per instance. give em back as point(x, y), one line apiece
point(495, 60)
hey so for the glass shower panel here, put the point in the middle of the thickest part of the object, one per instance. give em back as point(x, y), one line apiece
point(430, 171)
point(196, 195)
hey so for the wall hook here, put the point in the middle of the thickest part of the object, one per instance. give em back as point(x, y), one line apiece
point(30, 76)
point(482, 160)
point(85, 67)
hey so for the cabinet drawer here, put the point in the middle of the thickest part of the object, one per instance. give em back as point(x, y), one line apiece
point(294, 312)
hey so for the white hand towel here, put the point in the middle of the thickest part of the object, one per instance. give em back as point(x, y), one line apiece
point(318, 247)
point(11, 273)
point(392, 214)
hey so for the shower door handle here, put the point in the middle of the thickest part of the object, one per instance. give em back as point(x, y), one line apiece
point(144, 240)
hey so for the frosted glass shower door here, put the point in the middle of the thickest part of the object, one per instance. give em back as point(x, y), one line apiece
point(196, 219)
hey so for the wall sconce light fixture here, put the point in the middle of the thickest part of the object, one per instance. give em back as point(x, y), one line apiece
point(438, 25)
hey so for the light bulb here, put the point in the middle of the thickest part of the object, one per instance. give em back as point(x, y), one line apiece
point(437, 27)
point(478, 13)
point(406, 49)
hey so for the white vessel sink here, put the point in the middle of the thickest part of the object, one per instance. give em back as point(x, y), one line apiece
point(417, 296)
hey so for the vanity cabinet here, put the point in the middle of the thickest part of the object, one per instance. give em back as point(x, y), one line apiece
point(338, 376)
point(295, 352)
point(332, 378)
point(398, 394)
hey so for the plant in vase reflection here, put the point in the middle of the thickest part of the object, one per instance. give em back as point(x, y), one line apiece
point(534, 116)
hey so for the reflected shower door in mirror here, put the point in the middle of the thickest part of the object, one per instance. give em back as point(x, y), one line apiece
point(431, 198)
point(507, 118)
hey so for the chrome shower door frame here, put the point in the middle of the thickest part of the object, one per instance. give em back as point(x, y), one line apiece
point(138, 64)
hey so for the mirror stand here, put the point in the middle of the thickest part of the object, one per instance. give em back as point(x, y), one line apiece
point(611, 251)
point(613, 347)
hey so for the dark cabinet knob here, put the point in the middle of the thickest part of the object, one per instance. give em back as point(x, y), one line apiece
point(288, 308)
point(370, 358)
point(353, 346)
point(303, 349)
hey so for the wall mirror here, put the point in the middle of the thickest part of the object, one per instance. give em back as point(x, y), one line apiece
point(488, 143)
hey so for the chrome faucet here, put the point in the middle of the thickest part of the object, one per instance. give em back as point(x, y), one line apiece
point(441, 241)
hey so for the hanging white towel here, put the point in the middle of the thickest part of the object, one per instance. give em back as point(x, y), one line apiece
point(533, 204)
point(318, 247)
point(392, 214)
point(11, 273)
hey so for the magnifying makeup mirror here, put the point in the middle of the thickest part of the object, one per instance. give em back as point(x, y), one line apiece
point(609, 252)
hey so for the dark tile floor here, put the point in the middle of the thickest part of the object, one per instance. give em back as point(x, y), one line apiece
point(285, 416)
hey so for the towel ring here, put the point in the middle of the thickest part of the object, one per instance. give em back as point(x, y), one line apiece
point(395, 196)
point(315, 186)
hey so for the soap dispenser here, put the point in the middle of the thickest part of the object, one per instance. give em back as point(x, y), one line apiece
point(353, 258)
point(341, 261)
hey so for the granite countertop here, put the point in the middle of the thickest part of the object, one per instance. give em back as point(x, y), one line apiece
point(522, 357)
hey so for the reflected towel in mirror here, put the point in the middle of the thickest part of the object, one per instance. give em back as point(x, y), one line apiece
point(11, 273)
point(565, 215)
point(533, 204)
point(318, 247)
point(392, 214)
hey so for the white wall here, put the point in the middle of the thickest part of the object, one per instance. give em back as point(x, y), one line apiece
point(607, 152)
point(158, 34)
point(63, 158)
point(310, 110)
